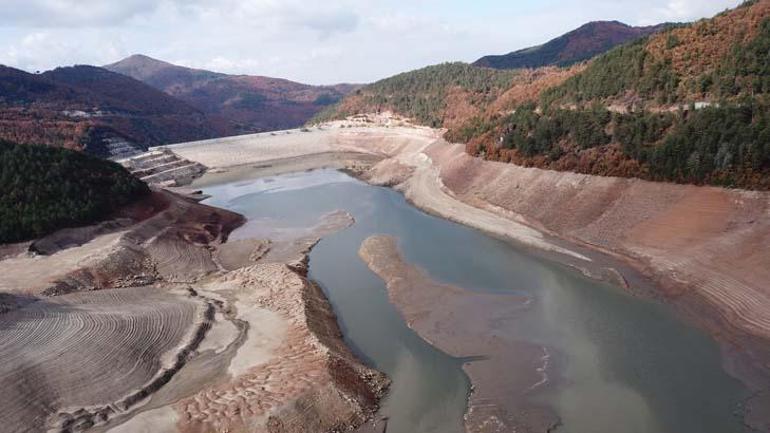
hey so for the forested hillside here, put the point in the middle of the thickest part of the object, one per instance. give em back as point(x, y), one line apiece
point(429, 95)
point(85, 107)
point(45, 189)
point(721, 59)
point(689, 104)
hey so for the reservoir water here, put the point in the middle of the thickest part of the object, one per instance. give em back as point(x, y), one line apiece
point(625, 365)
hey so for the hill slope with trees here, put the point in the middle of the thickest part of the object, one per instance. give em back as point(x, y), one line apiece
point(433, 96)
point(46, 189)
point(84, 107)
point(689, 104)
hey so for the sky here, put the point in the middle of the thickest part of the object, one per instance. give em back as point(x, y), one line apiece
point(315, 42)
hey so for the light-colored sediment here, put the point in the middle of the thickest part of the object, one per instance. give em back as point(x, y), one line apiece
point(292, 244)
point(467, 324)
point(173, 243)
point(163, 168)
point(292, 373)
point(214, 339)
point(704, 246)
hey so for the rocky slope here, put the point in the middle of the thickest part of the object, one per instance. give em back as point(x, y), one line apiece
point(576, 46)
point(245, 103)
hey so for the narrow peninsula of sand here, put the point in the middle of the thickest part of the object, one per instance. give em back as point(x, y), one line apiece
point(476, 327)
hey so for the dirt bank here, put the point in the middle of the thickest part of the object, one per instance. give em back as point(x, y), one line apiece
point(703, 246)
point(154, 323)
point(292, 373)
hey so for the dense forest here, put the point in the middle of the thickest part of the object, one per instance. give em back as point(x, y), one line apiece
point(45, 189)
point(627, 69)
point(721, 145)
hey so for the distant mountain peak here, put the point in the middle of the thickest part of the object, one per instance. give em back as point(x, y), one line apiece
point(583, 43)
point(143, 68)
point(141, 59)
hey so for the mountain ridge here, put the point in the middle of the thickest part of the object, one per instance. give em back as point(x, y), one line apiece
point(251, 103)
point(583, 43)
point(87, 108)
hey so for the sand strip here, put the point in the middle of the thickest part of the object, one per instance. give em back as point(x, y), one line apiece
point(471, 325)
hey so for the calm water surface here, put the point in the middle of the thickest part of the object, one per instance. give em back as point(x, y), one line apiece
point(625, 365)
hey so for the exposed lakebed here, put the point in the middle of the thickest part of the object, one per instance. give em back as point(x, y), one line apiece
point(609, 362)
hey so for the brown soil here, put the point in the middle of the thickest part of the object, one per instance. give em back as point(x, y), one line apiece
point(701, 241)
point(62, 356)
point(705, 241)
point(170, 239)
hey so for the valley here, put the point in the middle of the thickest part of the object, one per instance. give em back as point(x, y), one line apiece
point(179, 253)
point(571, 237)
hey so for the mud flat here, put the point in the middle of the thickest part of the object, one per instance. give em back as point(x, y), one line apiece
point(152, 322)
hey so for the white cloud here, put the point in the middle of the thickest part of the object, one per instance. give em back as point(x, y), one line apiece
point(681, 10)
point(42, 50)
point(316, 42)
point(48, 13)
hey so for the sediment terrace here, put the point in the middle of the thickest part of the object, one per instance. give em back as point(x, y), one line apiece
point(703, 246)
point(61, 352)
point(269, 355)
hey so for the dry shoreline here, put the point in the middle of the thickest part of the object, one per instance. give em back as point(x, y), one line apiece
point(637, 234)
point(205, 334)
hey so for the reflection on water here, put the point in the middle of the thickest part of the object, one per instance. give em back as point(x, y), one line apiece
point(624, 365)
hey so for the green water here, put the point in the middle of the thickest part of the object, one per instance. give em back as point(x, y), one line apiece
point(620, 364)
